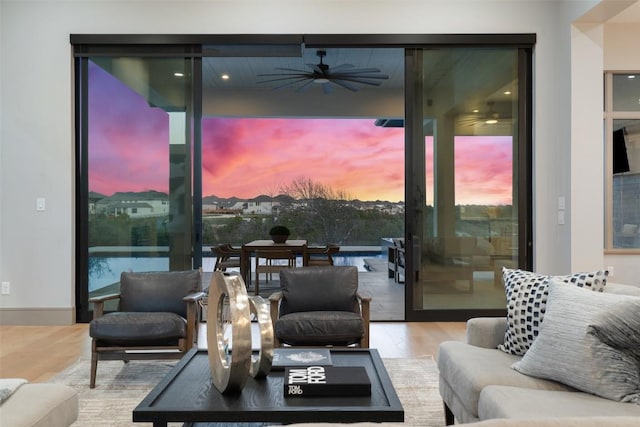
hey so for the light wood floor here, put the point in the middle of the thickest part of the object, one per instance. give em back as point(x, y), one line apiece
point(37, 353)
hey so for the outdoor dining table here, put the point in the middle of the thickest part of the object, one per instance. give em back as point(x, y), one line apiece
point(297, 246)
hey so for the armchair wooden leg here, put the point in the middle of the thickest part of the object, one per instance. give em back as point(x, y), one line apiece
point(94, 366)
point(448, 416)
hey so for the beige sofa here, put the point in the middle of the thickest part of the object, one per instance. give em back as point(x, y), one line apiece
point(477, 383)
point(539, 422)
point(40, 405)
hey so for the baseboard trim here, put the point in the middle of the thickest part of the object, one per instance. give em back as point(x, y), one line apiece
point(38, 316)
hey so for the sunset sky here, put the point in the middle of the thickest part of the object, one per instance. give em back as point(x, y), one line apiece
point(247, 157)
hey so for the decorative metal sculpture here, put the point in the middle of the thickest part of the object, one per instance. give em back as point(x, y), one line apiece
point(261, 366)
point(229, 306)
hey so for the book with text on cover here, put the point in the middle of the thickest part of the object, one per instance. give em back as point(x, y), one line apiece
point(291, 357)
point(329, 381)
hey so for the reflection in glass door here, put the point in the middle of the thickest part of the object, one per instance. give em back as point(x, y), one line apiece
point(138, 168)
point(464, 141)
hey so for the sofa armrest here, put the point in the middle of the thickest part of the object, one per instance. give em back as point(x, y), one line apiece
point(486, 332)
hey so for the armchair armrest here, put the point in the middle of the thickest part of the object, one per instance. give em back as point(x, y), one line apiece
point(486, 332)
point(98, 303)
point(194, 297)
point(274, 308)
point(193, 316)
point(364, 309)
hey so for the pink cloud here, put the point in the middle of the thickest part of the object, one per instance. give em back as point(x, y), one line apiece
point(246, 157)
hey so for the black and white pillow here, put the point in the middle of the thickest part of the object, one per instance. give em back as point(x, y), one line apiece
point(527, 294)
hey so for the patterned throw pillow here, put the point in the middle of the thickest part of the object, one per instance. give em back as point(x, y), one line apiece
point(590, 342)
point(527, 300)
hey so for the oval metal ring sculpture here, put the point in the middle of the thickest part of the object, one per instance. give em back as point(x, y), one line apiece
point(229, 371)
point(229, 304)
point(261, 366)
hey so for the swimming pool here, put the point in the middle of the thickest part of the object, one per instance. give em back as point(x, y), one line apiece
point(110, 268)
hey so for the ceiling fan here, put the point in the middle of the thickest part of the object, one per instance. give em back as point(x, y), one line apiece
point(344, 75)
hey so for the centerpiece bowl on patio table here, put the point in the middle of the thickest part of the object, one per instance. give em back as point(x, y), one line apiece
point(279, 233)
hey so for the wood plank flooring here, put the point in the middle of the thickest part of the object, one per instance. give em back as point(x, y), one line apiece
point(37, 353)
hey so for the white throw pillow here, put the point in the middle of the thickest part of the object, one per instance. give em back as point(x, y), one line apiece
point(589, 341)
point(527, 300)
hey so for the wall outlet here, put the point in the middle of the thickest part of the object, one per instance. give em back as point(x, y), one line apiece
point(6, 288)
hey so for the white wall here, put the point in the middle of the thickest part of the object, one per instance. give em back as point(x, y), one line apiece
point(37, 154)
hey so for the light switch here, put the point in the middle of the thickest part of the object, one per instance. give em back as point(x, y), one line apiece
point(561, 202)
point(560, 217)
point(40, 204)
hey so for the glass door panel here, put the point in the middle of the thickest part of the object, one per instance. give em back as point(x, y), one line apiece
point(139, 167)
point(465, 138)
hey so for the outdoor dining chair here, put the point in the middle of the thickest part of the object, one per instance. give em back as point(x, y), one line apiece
point(272, 261)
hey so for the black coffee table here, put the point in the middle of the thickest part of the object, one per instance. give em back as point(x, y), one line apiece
point(187, 395)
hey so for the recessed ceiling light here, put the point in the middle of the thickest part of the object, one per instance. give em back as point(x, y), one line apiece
point(631, 76)
point(476, 111)
point(178, 74)
point(225, 77)
point(491, 121)
point(507, 92)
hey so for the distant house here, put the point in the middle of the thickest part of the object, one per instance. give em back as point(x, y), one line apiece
point(261, 205)
point(135, 205)
point(93, 199)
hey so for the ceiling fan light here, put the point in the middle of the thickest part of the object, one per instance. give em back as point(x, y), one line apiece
point(321, 80)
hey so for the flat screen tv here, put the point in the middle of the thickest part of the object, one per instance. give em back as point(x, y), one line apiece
point(620, 159)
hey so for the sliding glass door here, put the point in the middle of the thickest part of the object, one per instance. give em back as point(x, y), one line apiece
point(155, 192)
point(136, 190)
point(466, 137)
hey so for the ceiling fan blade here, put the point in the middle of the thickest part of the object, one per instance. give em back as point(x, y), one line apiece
point(315, 68)
point(290, 77)
point(357, 76)
point(305, 86)
point(291, 69)
point(341, 67)
point(356, 80)
point(362, 70)
point(291, 83)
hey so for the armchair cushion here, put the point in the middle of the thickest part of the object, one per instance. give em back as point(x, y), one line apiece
point(320, 328)
point(338, 285)
point(158, 291)
point(126, 328)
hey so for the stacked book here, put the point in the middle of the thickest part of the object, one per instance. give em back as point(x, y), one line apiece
point(314, 381)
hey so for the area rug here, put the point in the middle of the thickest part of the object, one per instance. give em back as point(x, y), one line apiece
point(121, 387)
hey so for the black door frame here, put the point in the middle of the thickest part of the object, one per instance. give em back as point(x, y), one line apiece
point(167, 45)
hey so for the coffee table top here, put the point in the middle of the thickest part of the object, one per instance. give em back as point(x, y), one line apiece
point(186, 394)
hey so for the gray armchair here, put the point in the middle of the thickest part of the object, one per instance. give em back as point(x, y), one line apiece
point(320, 306)
point(157, 318)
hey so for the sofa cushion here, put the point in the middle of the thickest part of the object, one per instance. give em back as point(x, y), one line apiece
point(620, 289)
point(40, 405)
point(320, 328)
point(319, 289)
point(515, 402)
point(526, 303)
point(158, 291)
point(470, 369)
point(124, 328)
point(589, 341)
